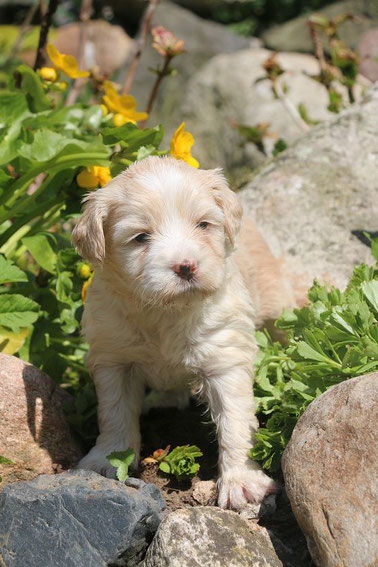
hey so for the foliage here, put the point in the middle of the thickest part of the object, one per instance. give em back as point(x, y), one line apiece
point(333, 338)
point(180, 462)
point(255, 15)
point(121, 460)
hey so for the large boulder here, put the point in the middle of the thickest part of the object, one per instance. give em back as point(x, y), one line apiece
point(308, 200)
point(203, 39)
point(77, 518)
point(294, 35)
point(33, 430)
point(234, 88)
point(330, 470)
point(206, 536)
point(368, 51)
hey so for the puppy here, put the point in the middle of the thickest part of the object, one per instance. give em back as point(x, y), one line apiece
point(169, 305)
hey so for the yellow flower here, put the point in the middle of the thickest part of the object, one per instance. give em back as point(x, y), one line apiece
point(181, 144)
point(122, 104)
point(48, 74)
point(84, 289)
point(104, 109)
point(65, 63)
point(94, 176)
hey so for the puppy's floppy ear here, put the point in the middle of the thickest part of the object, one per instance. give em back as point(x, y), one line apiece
point(88, 235)
point(227, 200)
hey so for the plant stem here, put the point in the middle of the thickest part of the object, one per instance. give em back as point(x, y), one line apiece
point(290, 107)
point(160, 76)
point(140, 45)
point(85, 15)
point(45, 26)
point(23, 30)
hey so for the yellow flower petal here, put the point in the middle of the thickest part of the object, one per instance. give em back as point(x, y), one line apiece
point(84, 289)
point(48, 74)
point(181, 144)
point(87, 180)
point(102, 174)
point(124, 105)
point(65, 63)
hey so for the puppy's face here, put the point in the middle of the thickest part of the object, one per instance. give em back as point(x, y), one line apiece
point(163, 229)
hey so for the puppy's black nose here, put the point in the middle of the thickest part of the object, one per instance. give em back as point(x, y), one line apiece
point(185, 269)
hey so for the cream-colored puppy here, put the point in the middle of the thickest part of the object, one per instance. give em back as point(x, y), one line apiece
point(169, 306)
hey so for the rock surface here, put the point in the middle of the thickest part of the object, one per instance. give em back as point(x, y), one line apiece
point(307, 201)
point(233, 88)
point(77, 518)
point(330, 470)
point(33, 430)
point(207, 536)
point(368, 52)
point(203, 39)
point(294, 35)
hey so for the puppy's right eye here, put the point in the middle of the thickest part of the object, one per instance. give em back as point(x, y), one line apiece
point(143, 237)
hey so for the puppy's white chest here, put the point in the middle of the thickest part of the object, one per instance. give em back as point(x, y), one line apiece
point(171, 358)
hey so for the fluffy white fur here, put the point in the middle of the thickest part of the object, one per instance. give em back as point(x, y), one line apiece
point(148, 326)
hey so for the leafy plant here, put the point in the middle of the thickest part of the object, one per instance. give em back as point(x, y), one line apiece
point(121, 460)
point(180, 462)
point(333, 338)
point(5, 461)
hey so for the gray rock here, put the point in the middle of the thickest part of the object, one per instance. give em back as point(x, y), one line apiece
point(204, 536)
point(294, 34)
point(330, 470)
point(368, 52)
point(33, 430)
point(307, 201)
point(77, 518)
point(203, 39)
point(229, 89)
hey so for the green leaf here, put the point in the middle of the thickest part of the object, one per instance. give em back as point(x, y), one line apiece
point(5, 461)
point(370, 291)
point(165, 467)
point(133, 136)
point(32, 85)
point(17, 311)
point(45, 145)
point(44, 247)
point(121, 460)
point(9, 272)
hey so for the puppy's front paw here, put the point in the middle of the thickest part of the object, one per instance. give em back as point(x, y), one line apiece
point(238, 487)
point(96, 461)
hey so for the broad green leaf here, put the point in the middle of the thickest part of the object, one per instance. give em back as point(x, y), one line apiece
point(121, 460)
point(44, 247)
point(165, 467)
point(307, 351)
point(13, 108)
point(370, 290)
point(32, 85)
point(45, 145)
point(11, 342)
point(9, 272)
point(133, 136)
point(17, 311)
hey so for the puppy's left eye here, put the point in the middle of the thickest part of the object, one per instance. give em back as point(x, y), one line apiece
point(142, 237)
point(203, 225)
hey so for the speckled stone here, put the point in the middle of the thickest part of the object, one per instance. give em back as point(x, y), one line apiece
point(330, 470)
point(77, 519)
point(209, 536)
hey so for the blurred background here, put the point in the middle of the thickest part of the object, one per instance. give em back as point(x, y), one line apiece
point(226, 85)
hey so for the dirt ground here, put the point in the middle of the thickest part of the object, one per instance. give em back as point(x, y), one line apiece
point(193, 426)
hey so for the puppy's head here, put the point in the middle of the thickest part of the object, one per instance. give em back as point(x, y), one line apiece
point(162, 228)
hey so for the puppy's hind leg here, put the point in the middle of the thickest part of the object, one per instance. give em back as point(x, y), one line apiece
point(120, 396)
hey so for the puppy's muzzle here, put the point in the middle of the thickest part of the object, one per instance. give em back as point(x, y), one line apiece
point(185, 269)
